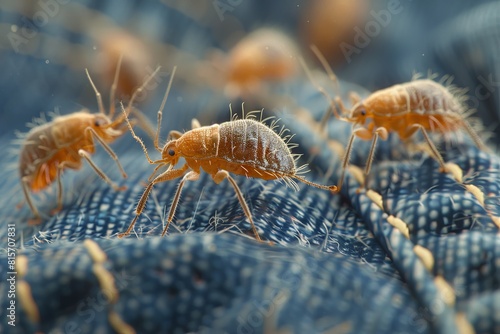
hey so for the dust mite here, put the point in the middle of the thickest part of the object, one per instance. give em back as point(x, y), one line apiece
point(244, 147)
point(422, 104)
point(49, 149)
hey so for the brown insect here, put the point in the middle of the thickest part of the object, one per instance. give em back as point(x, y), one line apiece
point(265, 55)
point(136, 55)
point(404, 109)
point(242, 146)
point(49, 149)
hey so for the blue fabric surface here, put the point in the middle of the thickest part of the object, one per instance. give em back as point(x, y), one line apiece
point(419, 252)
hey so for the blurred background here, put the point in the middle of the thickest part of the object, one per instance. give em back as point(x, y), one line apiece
point(46, 45)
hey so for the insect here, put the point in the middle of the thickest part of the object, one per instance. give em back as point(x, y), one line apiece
point(265, 55)
point(49, 149)
point(341, 17)
point(115, 43)
point(404, 109)
point(241, 146)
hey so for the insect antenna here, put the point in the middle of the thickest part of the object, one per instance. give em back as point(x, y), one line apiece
point(327, 68)
point(332, 188)
point(97, 94)
point(332, 105)
point(160, 111)
point(129, 108)
point(113, 87)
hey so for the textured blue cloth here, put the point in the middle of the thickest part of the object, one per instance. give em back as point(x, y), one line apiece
point(417, 253)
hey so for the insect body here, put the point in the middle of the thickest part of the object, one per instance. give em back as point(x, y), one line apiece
point(49, 149)
point(404, 109)
point(423, 105)
point(261, 57)
point(243, 147)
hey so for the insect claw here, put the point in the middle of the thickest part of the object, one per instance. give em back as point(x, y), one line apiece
point(34, 221)
point(122, 188)
point(55, 211)
point(334, 189)
point(122, 235)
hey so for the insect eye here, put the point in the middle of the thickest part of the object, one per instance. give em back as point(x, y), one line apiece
point(171, 152)
point(363, 112)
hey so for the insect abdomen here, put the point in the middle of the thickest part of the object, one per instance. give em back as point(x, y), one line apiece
point(252, 143)
point(41, 154)
point(429, 97)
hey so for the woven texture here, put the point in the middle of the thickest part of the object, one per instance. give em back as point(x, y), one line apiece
point(419, 252)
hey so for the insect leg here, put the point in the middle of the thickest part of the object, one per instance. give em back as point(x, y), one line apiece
point(433, 147)
point(218, 178)
point(190, 176)
point(169, 174)
point(379, 132)
point(86, 155)
point(475, 137)
point(108, 149)
point(362, 133)
point(345, 160)
point(29, 200)
point(60, 168)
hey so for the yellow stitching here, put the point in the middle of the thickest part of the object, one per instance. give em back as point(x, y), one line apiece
point(400, 225)
point(95, 252)
point(106, 281)
point(357, 173)
point(21, 266)
point(342, 328)
point(463, 325)
point(476, 192)
point(119, 325)
point(496, 220)
point(455, 171)
point(105, 278)
point(375, 197)
point(425, 256)
point(479, 195)
point(270, 322)
point(26, 300)
point(446, 290)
